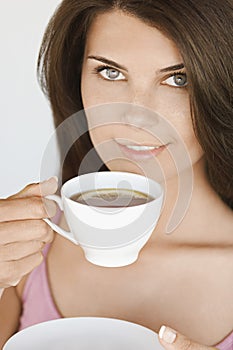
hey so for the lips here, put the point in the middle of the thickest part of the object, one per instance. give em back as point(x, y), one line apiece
point(141, 152)
point(141, 148)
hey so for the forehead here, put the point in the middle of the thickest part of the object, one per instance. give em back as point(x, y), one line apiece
point(124, 37)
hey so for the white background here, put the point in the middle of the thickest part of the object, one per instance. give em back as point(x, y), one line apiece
point(26, 119)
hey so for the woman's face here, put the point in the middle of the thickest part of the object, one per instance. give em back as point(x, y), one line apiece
point(132, 64)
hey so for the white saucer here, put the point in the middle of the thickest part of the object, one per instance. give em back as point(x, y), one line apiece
point(84, 333)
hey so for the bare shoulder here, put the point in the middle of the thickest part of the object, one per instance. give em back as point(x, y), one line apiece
point(217, 301)
point(10, 309)
point(210, 291)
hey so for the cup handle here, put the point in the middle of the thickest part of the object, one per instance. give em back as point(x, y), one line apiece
point(55, 227)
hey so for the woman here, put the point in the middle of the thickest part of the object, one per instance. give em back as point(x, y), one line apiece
point(173, 58)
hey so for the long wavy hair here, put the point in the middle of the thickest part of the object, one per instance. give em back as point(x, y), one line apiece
point(202, 31)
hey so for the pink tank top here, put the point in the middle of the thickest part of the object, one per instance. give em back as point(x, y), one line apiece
point(39, 306)
point(37, 302)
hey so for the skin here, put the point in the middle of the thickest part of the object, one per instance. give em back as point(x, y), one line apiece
point(183, 280)
point(142, 84)
point(23, 232)
point(23, 235)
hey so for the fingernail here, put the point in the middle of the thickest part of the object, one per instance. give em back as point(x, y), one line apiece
point(55, 178)
point(50, 179)
point(167, 334)
point(14, 284)
point(49, 186)
point(50, 207)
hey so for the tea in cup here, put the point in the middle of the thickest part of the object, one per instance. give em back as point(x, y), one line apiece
point(112, 198)
point(111, 215)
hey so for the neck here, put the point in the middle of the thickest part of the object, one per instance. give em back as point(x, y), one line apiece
point(188, 207)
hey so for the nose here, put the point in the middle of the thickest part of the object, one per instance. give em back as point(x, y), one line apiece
point(138, 111)
point(139, 115)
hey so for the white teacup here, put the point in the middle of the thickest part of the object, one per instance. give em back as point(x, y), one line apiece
point(109, 236)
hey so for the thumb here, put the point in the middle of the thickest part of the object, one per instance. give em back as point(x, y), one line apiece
point(38, 189)
point(172, 340)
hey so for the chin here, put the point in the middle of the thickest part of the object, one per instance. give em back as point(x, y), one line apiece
point(154, 173)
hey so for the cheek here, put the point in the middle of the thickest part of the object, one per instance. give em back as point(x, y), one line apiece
point(192, 145)
point(195, 149)
point(172, 103)
point(95, 137)
point(95, 91)
point(100, 135)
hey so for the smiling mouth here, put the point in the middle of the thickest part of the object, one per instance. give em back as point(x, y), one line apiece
point(141, 152)
point(141, 148)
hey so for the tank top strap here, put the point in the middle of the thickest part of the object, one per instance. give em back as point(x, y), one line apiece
point(46, 249)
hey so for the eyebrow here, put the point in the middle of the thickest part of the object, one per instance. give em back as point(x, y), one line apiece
point(116, 65)
point(172, 68)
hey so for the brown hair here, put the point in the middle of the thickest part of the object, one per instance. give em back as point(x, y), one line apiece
point(203, 32)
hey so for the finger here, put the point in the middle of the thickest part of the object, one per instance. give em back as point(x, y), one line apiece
point(38, 189)
point(172, 340)
point(15, 283)
point(25, 230)
point(13, 271)
point(19, 250)
point(26, 208)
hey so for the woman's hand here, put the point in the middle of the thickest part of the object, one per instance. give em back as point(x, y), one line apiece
point(23, 232)
point(172, 340)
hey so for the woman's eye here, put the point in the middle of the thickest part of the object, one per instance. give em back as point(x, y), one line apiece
point(111, 74)
point(177, 80)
